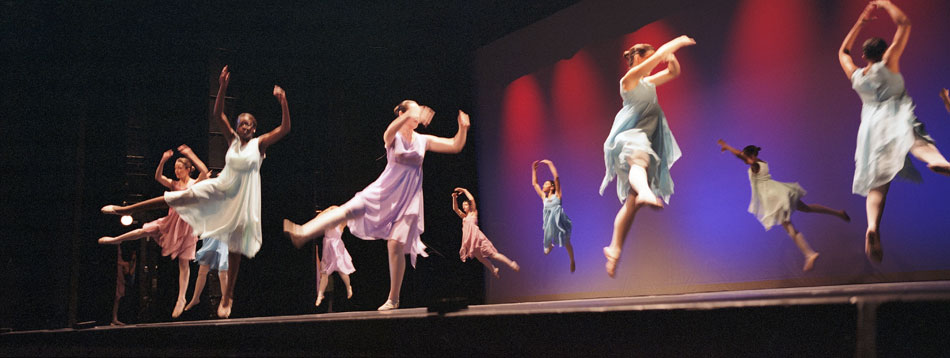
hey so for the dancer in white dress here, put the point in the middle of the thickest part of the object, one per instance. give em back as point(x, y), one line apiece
point(773, 201)
point(889, 128)
point(227, 207)
point(335, 259)
point(391, 207)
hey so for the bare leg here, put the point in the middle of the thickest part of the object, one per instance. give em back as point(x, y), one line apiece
point(821, 209)
point(300, 234)
point(184, 271)
point(876, 199)
point(346, 281)
point(639, 182)
point(199, 286)
point(491, 267)
point(227, 297)
point(928, 153)
point(115, 312)
point(570, 253)
point(810, 255)
point(622, 224)
point(322, 287)
point(131, 235)
point(150, 204)
point(505, 260)
point(222, 280)
point(397, 268)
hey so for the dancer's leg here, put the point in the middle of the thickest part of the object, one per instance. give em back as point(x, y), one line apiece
point(821, 209)
point(322, 287)
point(622, 224)
point(199, 286)
point(810, 255)
point(227, 297)
point(397, 268)
point(491, 267)
point(223, 280)
point(184, 271)
point(300, 234)
point(928, 153)
point(876, 199)
point(639, 181)
point(150, 204)
point(346, 281)
point(570, 253)
point(505, 260)
point(131, 235)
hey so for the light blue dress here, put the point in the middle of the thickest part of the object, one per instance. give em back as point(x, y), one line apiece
point(888, 129)
point(640, 126)
point(213, 253)
point(557, 226)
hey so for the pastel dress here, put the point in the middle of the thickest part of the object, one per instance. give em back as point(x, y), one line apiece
point(174, 235)
point(772, 201)
point(557, 226)
point(335, 256)
point(474, 242)
point(227, 207)
point(640, 126)
point(888, 129)
point(213, 253)
point(391, 207)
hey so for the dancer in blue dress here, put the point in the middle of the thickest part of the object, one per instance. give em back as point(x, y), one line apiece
point(640, 148)
point(212, 256)
point(555, 223)
point(889, 128)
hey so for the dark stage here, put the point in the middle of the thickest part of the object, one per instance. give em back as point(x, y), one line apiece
point(887, 319)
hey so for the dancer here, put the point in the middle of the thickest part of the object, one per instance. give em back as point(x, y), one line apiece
point(124, 278)
point(391, 207)
point(889, 129)
point(640, 148)
point(474, 242)
point(773, 202)
point(171, 232)
point(335, 258)
point(212, 256)
point(555, 223)
point(945, 96)
point(227, 207)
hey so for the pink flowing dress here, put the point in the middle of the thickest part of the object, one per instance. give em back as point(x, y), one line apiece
point(474, 242)
point(173, 234)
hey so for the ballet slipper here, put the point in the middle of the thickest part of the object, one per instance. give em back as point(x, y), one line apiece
point(106, 240)
point(116, 322)
point(810, 261)
point(179, 308)
point(319, 301)
point(872, 246)
point(349, 292)
point(224, 311)
point(389, 305)
point(547, 250)
point(845, 217)
point(494, 272)
point(611, 261)
point(293, 232)
point(649, 200)
point(194, 302)
point(109, 209)
point(573, 267)
point(515, 266)
point(942, 168)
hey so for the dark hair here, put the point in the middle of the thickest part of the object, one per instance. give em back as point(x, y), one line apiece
point(638, 49)
point(553, 184)
point(186, 163)
point(874, 49)
point(249, 116)
point(751, 150)
point(402, 107)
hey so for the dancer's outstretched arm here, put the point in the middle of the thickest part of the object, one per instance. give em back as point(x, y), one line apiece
point(672, 71)
point(844, 52)
point(455, 144)
point(218, 115)
point(643, 69)
point(534, 178)
point(422, 113)
point(203, 172)
point(471, 199)
point(557, 179)
point(893, 54)
point(739, 154)
point(277, 133)
point(159, 177)
point(455, 204)
point(945, 96)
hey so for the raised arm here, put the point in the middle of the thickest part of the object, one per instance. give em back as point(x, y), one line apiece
point(454, 144)
point(672, 71)
point(455, 204)
point(738, 153)
point(218, 115)
point(414, 110)
point(534, 179)
point(203, 172)
point(471, 199)
point(661, 54)
point(844, 52)
point(893, 54)
point(159, 177)
point(557, 179)
point(275, 135)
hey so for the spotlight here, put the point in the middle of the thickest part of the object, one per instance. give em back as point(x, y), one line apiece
point(126, 220)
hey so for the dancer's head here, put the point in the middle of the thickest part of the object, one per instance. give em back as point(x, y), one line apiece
point(874, 48)
point(183, 168)
point(403, 107)
point(637, 53)
point(246, 126)
point(548, 187)
point(751, 151)
point(466, 206)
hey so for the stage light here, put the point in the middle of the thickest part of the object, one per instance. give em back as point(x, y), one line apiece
point(126, 220)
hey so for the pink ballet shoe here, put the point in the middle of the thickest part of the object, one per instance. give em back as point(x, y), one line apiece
point(224, 312)
point(349, 292)
point(109, 209)
point(179, 308)
point(611, 262)
point(872, 246)
point(389, 305)
point(319, 301)
point(810, 262)
point(106, 240)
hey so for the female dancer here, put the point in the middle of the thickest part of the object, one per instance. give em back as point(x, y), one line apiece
point(213, 256)
point(227, 207)
point(335, 258)
point(171, 232)
point(391, 207)
point(124, 278)
point(889, 129)
point(557, 226)
point(474, 242)
point(640, 148)
point(773, 202)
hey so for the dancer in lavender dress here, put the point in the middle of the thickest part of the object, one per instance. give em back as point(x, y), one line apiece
point(391, 207)
point(474, 242)
point(335, 259)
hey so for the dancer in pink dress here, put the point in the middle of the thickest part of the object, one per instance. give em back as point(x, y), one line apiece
point(171, 232)
point(474, 242)
point(391, 207)
point(335, 258)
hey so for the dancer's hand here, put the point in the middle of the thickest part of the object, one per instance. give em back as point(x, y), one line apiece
point(464, 121)
point(184, 149)
point(684, 41)
point(425, 115)
point(535, 164)
point(671, 58)
point(225, 77)
point(546, 161)
point(945, 96)
point(722, 145)
point(168, 154)
point(279, 93)
point(866, 16)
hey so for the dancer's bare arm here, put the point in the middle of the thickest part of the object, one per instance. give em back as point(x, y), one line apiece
point(218, 114)
point(643, 69)
point(844, 52)
point(159, 177)
point(672, 71)
point(277, 133)
point(534, 178)
point(557, 179)
point(455, 204)
point(203, 172)
point(451, 145)
point(893, 54)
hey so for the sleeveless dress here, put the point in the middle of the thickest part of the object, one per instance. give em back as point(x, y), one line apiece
point(213, 253)
point(335, 256)
point(172, 233)
point(391, 207)
point(474, 242)
point(772, 201)
point(227, 207)
point(640, 126)
point(557, 226)
point(888, 129)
